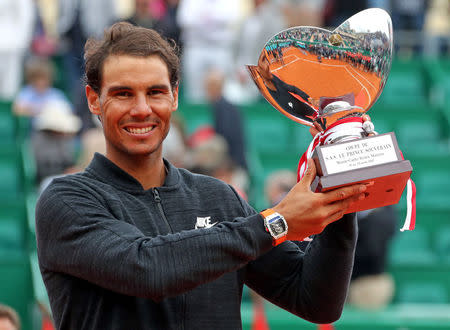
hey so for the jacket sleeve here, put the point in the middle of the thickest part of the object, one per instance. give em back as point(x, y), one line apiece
point(311, 284)
point(77, 236)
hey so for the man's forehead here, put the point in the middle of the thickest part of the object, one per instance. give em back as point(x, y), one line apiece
point(120, 69)
point(113, 59)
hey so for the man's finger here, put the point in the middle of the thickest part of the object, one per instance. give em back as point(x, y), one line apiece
point(344, 193)
point(310, 173)
point(335, 216)
point(313, 131)
point(343, 205)
point(366, 117)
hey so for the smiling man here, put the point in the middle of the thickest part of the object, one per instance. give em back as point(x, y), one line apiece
point(120, 245)
point(135, 104)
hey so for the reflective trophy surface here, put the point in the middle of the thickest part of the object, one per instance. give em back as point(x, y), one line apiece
point(330, 79)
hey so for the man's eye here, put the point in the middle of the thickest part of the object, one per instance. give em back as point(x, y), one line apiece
point(123, 94)
point(156, 91)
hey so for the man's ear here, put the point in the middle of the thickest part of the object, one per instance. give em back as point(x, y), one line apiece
point(93, 100)
point(175, 99)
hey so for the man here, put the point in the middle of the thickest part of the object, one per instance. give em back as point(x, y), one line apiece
point(9, 319)
point(135, 243)
point(227, 118)
point(289, 97)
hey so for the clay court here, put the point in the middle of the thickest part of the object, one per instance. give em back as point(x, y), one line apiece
point(330, 77)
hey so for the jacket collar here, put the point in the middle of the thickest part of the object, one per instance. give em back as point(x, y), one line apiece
point(106, 171)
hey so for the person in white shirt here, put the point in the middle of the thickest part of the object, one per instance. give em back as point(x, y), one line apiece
point(16, 29)
point(208, 30)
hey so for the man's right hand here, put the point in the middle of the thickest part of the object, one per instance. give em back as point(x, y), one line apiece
point(308, 213)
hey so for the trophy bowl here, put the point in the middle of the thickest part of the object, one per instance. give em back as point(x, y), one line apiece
point(330, 79)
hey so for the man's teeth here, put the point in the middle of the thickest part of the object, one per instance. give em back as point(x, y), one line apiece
point(140, 130)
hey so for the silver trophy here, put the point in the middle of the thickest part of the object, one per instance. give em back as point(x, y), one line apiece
point(325, 79)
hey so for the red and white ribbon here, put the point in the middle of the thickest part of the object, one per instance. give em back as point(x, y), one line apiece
point(353, 126)
point(410, 220)
point(350, 126)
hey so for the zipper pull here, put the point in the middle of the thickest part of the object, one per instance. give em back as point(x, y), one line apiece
point(156, 195)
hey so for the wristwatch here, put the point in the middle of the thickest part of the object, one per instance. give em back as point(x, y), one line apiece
point(276, 225)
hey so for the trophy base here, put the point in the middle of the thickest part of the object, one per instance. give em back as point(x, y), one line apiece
point(385, 183)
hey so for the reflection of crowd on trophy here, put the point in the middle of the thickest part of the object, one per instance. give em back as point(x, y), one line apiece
point(42, 92)
point(351, 47)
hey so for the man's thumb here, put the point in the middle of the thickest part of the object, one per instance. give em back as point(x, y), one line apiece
point(310, 172)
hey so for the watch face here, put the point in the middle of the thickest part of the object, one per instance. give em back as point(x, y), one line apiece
point(277, 226)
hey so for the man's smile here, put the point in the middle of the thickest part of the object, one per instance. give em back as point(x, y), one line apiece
point(140, 130)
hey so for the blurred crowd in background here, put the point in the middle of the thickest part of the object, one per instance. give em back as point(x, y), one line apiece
point(41, 70)
point(216, 39)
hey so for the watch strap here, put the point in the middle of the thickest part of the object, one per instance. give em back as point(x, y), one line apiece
point(266, 213)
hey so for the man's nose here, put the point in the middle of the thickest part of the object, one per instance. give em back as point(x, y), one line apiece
point(142, 106)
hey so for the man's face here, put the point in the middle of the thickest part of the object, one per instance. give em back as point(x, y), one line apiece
point(6, 324)
point(264, 69)
point(135, 105)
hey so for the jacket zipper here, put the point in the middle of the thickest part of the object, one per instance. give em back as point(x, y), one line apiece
point(157, 199)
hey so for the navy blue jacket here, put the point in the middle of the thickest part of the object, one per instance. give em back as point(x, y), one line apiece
point(116, 256)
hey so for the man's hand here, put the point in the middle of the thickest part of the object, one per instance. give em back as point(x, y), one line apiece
point(315, 129)
point(370, 128)
point(308, 213)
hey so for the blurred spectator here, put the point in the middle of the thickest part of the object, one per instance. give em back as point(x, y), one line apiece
point(53, 143)
point(143, 15)
point(409, 16)
point(16, 29)
point(252, 36)
point(167, 25)
point(437, 26)
point(175, 148)
point(92, 141)
point(227, 118)
point(44, 41)
point(81, 109)
point(201, 133)
point(371, 286)
point(211, 157)
point(48, 15)
point(79, 19)
point(9, 319)
point(158, 15)
point(38, 91)
point(338, 11)
point(304, 12)
point(208, 32)
point(278, 184)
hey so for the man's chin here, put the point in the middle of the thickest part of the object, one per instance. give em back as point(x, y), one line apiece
point(143, 150)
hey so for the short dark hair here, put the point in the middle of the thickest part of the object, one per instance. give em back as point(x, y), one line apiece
point(123, 38)
point(10, 314)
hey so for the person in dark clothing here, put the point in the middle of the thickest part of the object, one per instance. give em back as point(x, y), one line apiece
point(289, 97)
point(227, 118)
point(168, 26)
point(134, 243)
point(372, 286)
point(293, 100)
point(376, 230)
point(142, 15)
